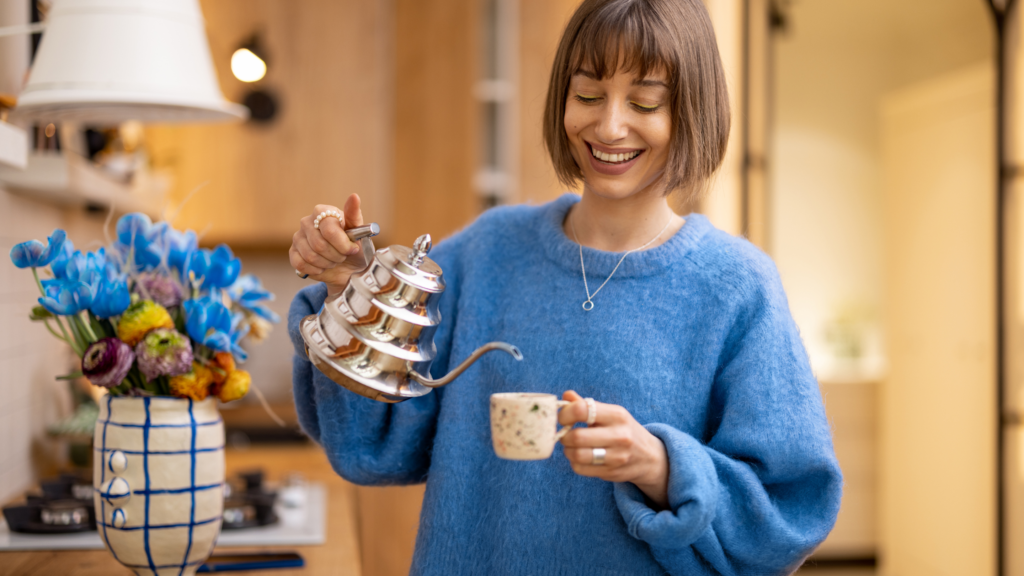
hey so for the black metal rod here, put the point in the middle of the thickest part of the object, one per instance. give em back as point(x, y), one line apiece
point(1001, 17)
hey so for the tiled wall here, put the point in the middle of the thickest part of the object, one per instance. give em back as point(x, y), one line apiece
point(30, 357)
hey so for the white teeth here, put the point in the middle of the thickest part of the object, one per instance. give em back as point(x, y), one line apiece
point(614, 158)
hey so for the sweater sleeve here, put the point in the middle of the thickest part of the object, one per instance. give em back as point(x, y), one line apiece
point(763, 489)
point(368, 442)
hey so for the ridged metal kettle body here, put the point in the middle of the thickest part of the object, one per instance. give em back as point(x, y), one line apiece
point(376, 337)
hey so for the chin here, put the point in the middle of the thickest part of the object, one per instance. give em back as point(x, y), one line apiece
point(609, 189)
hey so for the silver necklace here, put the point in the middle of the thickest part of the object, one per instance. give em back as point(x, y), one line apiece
point(588, 304)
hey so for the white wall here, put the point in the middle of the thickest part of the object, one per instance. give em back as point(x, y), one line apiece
point(30, 357)
point(832, 67)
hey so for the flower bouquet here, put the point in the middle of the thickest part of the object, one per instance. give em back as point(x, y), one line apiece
point(157, 322)
point(152, 314)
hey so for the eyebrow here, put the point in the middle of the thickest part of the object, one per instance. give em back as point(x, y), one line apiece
point(646, 82)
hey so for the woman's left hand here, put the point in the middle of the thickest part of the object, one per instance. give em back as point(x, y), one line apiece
point(632, 454)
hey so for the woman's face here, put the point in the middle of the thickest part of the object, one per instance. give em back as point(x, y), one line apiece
point(619, 130)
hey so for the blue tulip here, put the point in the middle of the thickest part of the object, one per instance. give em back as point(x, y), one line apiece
point(66, 297)
point(198, 263)
point(224, 268)
point(248, 292)
point(209, 322)
point(110, 298)
point(33, 254)
point(90, 268)
point(67, 250)
point(178, 246)
point(137, 236)
point(239, 330)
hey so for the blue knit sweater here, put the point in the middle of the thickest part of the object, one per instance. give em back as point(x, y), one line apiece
point(693, 337)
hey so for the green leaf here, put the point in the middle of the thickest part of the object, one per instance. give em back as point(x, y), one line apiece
point(39, 314)
point(71, 376)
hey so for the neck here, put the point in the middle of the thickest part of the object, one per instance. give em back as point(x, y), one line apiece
point(617, 225)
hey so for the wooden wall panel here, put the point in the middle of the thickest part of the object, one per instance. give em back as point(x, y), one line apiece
point(540, 28)
point(436, 117)
point(330, 65)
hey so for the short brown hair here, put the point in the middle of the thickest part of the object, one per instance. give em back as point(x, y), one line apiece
point(673, 36)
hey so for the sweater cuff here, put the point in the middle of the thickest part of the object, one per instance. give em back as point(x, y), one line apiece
point(692, 494)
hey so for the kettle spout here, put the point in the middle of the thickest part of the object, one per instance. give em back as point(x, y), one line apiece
point(431, 383)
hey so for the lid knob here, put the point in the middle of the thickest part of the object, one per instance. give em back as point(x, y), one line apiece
point(420, 249)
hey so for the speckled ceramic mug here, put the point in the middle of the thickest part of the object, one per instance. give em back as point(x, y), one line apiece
point(524, 426)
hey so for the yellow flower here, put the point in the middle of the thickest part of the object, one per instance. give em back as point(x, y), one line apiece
point(223, 365)
point(194, 385)
point(236, 386)
point(139, 319)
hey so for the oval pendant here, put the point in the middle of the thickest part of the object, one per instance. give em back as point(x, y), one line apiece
point(586, 307)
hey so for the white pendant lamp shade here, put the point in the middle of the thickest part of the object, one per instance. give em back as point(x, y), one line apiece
point(103, 62)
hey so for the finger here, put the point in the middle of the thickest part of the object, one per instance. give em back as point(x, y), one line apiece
point(598, 437)
point(575, 412)
point(308, 254)
point(353, 211)
point(320, 208)
point(613, 458)
point(607, 414)
point(318, 241)
point(619, 474)
point(301, 265)
point(333, 232)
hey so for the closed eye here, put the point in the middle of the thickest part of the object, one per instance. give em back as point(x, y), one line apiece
point(587, 99)
point(644, 109)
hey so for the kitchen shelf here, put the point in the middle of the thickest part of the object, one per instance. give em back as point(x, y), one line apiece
point(70, 180)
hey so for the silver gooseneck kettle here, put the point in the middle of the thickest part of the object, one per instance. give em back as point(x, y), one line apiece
point(376, 337)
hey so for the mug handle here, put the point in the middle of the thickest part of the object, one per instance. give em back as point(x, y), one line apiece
point(564, 429)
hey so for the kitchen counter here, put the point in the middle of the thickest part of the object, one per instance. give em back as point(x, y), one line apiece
point(339, 555)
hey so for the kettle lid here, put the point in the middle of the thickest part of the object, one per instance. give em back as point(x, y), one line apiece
point(412, 265)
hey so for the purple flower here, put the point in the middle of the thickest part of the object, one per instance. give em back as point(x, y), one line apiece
point(160, 289)
point(107, 361)
point(164, 352)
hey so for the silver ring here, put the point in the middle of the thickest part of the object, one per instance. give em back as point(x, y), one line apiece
point(325, 214)
point(301, 275)
point(591, 411)
point(599, 454)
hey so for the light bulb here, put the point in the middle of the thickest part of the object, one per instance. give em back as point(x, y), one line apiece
point(247, 66)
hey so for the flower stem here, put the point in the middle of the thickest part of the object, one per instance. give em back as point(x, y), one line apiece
point(78, 349)
point(54, 332)
point(39, 283)
point(79, 344)
point(86, 326)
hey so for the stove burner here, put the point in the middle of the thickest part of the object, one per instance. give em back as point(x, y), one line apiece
point(66, 505)
point(65, 513)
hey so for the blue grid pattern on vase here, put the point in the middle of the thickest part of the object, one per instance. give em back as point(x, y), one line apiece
point(168, 501)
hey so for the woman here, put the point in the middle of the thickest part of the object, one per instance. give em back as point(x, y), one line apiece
point(708, 451)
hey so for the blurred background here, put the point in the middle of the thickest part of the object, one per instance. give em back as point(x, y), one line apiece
point(876, 155)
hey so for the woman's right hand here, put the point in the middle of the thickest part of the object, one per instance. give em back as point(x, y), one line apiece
point(327, 254)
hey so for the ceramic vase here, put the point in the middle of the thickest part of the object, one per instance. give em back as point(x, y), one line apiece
point(159, 479)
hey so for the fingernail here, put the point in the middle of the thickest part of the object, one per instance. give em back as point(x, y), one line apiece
point(354, 251)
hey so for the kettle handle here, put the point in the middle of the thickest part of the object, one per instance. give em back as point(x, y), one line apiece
point(364, 235)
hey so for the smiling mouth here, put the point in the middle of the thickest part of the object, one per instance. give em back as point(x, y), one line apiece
point(613, 158)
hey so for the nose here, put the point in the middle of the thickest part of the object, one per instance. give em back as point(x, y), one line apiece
point(612, 126)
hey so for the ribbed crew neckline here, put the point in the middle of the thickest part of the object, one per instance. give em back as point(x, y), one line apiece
point(564, 252)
